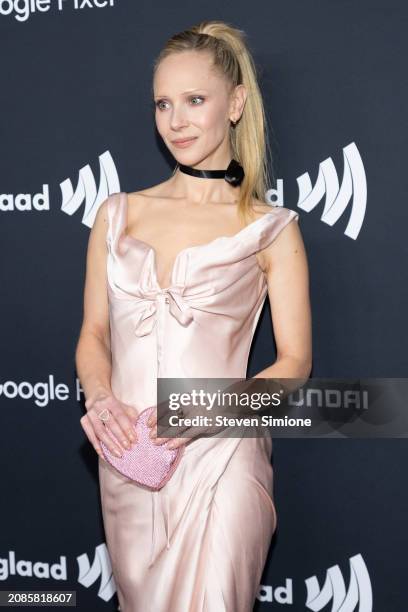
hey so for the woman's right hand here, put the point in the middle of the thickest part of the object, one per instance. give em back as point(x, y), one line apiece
point(121, 420)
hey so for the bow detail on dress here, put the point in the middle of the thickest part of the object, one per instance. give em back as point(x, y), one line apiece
point(178, 307)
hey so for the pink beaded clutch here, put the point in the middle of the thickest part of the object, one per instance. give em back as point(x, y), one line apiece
point(148, 464)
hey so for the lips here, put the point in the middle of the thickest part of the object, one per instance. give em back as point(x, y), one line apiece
point(183, 140)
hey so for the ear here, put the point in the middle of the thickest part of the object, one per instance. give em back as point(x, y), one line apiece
point(238, 99)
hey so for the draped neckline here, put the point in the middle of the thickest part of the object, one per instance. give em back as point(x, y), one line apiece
point(183, 252)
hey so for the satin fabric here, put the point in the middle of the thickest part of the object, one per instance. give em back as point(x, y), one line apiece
point(200, 543)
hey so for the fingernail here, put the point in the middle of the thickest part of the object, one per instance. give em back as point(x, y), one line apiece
point(117, 453)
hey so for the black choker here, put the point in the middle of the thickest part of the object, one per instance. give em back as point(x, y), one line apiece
point(234, 174)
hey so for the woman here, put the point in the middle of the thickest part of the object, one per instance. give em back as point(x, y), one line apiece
point(156, 306)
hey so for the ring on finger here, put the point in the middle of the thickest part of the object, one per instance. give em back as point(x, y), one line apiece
point(104, 415)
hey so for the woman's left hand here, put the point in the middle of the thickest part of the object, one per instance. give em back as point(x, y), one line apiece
point(173, 442)
point(196, 430)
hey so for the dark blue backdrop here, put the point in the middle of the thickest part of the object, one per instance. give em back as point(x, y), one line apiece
point(77, 125)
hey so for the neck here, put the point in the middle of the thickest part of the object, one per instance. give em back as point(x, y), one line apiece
point(203, 191)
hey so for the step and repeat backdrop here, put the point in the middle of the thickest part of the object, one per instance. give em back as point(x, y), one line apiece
point(77, 124)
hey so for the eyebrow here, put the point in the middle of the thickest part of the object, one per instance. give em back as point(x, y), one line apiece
point(183, 93)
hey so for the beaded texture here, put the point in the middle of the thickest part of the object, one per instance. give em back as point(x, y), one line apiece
point(148, 464)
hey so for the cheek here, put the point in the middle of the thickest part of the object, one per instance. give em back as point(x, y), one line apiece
point(212, 122)
point(160, 123)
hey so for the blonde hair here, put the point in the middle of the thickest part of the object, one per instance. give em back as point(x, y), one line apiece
point(248, 138)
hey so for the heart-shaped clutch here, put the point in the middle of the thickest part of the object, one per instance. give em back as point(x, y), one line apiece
point(148, 464)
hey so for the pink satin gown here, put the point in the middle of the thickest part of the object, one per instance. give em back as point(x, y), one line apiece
point(200, 543)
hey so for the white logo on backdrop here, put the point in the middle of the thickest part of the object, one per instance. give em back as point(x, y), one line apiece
point(334, 589)
point(87, 190)
point(359, 592)
point(351, 193)
point(101, 568)
point(41, 570)
point(22, 10)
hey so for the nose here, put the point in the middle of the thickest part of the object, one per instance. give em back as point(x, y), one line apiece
point(178, 118)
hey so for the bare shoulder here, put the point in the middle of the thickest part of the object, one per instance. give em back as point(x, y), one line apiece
point(288, 241)
point(260, 208)
point(101, 222)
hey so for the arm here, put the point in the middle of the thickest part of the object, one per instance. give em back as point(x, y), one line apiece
point(93, 354)
point(284, 263)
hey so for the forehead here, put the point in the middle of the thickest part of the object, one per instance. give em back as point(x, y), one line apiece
point(180, 72)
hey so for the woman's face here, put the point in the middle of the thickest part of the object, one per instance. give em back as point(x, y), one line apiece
point(193, 101)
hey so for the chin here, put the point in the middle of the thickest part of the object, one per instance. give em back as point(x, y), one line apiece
point(187, 160)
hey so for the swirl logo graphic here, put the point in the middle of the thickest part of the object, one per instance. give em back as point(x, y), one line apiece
point(359, 592)
point(87, 190)
point(351, 193)
point(101, 568)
